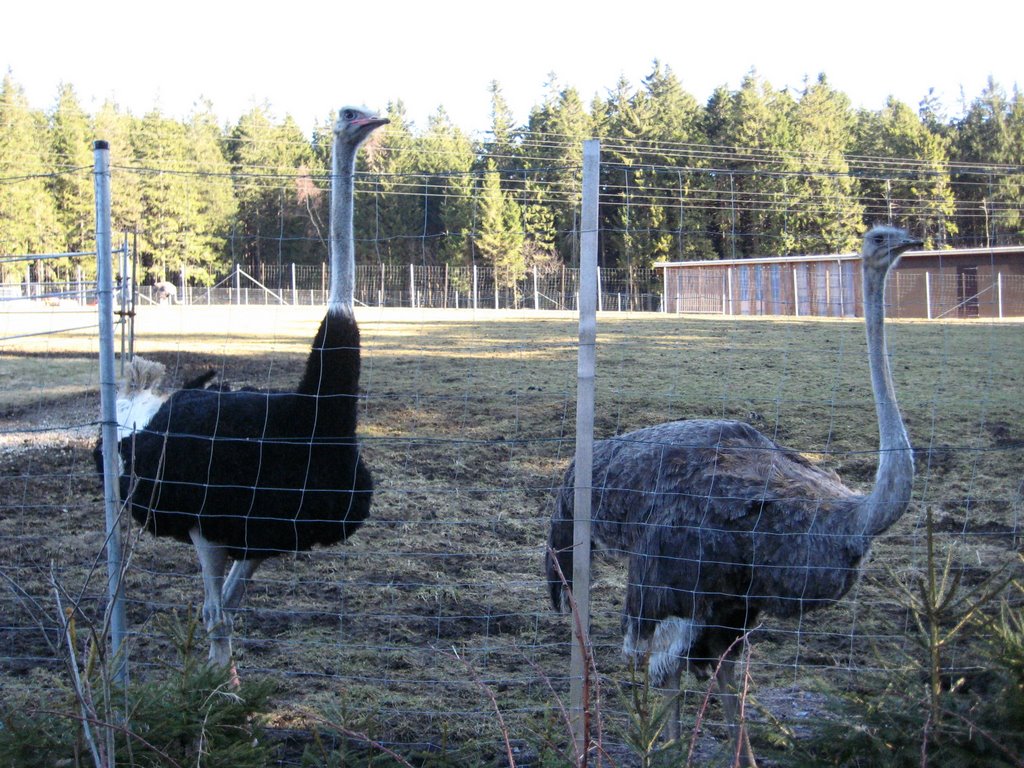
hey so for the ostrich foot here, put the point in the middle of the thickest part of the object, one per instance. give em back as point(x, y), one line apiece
point(221, 656)
point(220, 643)
point(742, 753)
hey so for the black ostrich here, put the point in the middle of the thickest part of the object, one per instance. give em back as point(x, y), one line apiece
point(719, 523)
point(246, 475)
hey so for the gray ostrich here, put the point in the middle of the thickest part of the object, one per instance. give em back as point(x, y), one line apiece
point(719, 523)
point(246, 475)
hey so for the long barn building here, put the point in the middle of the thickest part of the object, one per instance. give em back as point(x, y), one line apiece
point(959, 283)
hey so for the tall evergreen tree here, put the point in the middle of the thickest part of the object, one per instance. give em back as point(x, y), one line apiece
point(828, 216)
point(649, 132)
point(933, 114)
point(298, 240)
point(272, 165)
point(675, 131)
point(754, 183)
point(28, 217)
point(445, 157)
point(161, 152)
point(980, 141)
point(987, 141)
point(119, 129)
point(500, 148)
point(916, 195)
point(625, 217)
point(252, 151)
point(498, 233)
point(552, 166)
point(391, 222)
point(72, 161)
point(212, 204)
point(1011, 183)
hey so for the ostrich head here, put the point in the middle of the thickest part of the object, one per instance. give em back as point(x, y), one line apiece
point(883, 246)
point(355, 124)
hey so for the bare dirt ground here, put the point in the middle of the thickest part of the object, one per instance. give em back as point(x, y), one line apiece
point(468, 423)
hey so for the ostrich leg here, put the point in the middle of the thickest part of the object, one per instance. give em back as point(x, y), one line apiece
point(231, 595)
point(673, 728)
point(213, 559)
point(237, 582)
point(742, 752)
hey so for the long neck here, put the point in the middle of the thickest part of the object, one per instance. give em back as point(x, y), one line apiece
point(332, 373)
point(890, 496)
point(333, 365)
point(342, 246)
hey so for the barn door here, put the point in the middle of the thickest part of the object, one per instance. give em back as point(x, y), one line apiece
point(967, 291)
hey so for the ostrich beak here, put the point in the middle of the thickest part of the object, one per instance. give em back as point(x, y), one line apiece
point(371, 122)
point(906, 244)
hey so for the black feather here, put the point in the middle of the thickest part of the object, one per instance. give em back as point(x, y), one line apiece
point(258, 472)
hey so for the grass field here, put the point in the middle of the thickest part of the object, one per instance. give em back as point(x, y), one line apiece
point(468, 423)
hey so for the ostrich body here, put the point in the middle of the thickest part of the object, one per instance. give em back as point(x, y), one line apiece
point(720, 523)
point(248, 474)
point(165, 292)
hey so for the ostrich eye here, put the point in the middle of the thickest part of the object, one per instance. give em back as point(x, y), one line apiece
point(349, 114)
point(879, 239)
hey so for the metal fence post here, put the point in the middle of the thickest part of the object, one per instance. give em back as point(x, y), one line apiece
point(123, 302)
point(664, 290)
point(579, 671)
point(108, 407)
point(796, 292)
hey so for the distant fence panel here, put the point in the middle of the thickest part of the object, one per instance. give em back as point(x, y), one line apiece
point(1010, 296)
point(967, 296)
point(698, 291)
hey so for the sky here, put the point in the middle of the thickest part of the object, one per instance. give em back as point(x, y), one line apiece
point(308, 59)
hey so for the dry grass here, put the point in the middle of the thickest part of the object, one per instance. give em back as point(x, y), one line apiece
point(468, 423)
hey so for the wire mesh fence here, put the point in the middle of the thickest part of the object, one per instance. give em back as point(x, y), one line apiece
point(468, 421)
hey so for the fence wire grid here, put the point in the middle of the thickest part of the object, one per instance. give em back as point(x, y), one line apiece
point(468, 423)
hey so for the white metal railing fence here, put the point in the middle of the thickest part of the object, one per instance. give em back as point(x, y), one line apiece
point(430, 286)
point(780, 290)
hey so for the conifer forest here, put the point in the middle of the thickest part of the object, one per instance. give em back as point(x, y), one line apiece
point(754, 171)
